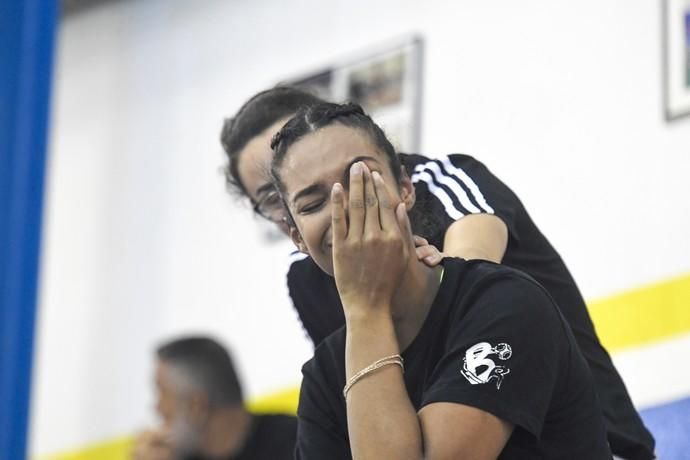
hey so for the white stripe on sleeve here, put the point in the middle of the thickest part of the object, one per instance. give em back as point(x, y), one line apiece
point(443, 178)
point(441, 194)
point(467, 180)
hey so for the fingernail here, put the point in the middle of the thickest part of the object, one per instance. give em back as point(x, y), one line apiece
point(376, 175)
point(356, 168)
point(337, 188)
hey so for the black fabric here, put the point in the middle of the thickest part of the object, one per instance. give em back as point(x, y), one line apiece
point(493, 339)
point(315, 297)
point(470, 188)
point(271, 437)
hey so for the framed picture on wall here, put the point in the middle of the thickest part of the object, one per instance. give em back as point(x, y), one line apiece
point(677, 58)
point(385, 80)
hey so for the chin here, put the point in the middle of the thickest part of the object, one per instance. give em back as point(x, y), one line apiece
point(326, 266)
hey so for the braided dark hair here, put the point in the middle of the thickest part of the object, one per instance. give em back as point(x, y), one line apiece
point(253, 118)
point(312, 118)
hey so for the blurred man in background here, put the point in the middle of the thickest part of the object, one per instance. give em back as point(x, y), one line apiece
point(200, 403)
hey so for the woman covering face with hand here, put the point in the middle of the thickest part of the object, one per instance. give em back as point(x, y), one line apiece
point(467, 360)
point(461, 208)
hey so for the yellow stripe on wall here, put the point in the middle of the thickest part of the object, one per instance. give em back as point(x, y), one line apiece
point(117, 449)
point(644, 315)
point(633, 318)
point(282, 402)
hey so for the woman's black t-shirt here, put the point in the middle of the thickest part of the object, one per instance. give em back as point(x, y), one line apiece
point(493, 339)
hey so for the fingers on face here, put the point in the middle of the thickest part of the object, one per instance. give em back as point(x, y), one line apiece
point(386, 208)
point(371, 208)
point(356, 201)
point(371, 203)
point(338, 221)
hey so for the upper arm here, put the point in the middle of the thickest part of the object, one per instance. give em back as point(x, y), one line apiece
point(452, 431)
point(500, 367)
point(477, 236)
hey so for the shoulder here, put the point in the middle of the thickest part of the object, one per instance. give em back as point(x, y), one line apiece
point(303, 273)
point(496, 295)
point(299, 262)
point(504, 348)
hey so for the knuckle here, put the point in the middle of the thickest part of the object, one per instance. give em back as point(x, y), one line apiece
point(356, 204)
point(385, 204)
point(370, 201)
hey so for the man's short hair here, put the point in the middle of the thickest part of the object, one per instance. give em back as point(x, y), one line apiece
point(207, 366)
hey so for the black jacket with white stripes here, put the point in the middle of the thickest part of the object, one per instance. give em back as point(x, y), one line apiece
point(448, 188)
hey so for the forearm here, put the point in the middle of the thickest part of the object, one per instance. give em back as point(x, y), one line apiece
point(478, 236)
point(382, 422)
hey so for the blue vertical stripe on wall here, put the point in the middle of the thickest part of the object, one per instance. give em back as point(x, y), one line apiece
point(27, 35)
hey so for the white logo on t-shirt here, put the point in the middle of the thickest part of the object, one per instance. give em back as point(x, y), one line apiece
point(478, 368)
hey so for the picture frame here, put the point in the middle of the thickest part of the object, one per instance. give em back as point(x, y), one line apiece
point(676, 58)
point(385, 80)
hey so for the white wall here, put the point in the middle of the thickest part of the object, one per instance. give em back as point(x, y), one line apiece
point(562, 99)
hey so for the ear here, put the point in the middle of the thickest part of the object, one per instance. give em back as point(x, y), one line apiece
point(199, 407)
point(407, 192)
point(296, 238)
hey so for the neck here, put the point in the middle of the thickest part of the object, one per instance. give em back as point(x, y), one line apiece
point(226, 432)
point(413, 300)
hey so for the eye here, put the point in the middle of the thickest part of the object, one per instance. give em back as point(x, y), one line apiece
point(272, 200)
point(312, 206)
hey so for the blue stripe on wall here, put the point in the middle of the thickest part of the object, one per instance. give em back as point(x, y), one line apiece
point(27, 30)
point(670, 425)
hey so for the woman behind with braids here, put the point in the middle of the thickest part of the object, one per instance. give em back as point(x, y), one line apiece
point(461, 208)
point(469, 359)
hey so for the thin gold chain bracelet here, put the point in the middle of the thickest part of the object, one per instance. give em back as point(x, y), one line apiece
point(388, 360)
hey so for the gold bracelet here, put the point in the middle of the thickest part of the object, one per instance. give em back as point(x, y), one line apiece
point(392, 359)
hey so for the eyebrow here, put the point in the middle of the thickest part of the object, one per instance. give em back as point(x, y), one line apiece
point(313, 188)
point(267, 187)
point(319, 187)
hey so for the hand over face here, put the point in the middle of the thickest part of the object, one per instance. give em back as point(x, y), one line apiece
point(370, 251)
point(153, 445)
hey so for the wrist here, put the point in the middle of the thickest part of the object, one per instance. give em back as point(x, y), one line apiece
point(367, 315)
